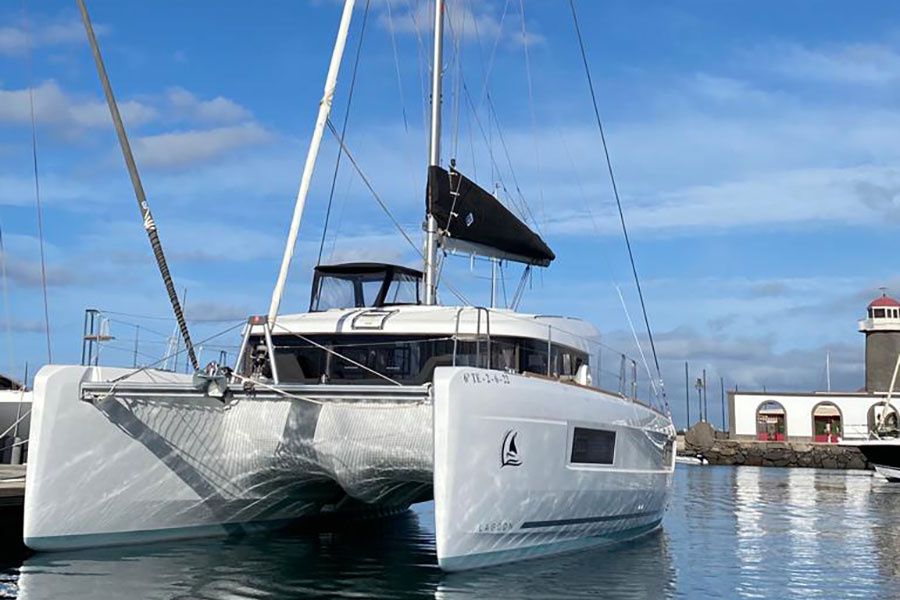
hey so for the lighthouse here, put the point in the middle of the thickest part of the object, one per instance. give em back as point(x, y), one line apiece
point(882, 329)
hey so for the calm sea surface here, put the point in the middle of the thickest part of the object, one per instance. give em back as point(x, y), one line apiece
point(729, 533)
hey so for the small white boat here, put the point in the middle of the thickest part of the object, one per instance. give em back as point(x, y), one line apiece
point(374, 399)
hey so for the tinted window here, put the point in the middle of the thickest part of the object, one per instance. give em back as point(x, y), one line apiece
point(593, 446)
point(406, 359)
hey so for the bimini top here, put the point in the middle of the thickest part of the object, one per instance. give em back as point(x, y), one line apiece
point(364, 284)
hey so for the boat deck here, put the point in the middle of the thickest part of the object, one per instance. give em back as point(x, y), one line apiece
point(12, 485)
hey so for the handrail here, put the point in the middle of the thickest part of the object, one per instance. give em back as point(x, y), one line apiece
point(487, 319)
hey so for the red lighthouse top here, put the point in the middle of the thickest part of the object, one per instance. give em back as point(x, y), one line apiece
point(884, 301)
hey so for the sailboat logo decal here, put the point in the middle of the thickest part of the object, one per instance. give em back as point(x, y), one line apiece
point(509, 455)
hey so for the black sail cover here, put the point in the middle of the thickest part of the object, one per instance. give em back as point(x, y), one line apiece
point(465, 212)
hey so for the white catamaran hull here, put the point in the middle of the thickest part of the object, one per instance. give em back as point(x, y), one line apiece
point(494, 505)
point(152, 459)
point(152, 464)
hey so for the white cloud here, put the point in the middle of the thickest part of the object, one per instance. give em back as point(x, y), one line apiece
point(27, 273)
point(220, 109)
point(855, 63)
point(16, 39)
point(184, 148)
point(728, 90)
point(54, 108)
point(479, 23)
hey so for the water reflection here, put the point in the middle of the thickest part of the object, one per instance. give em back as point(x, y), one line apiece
point(730, 532)
point(387, 559)
point(641, 568)
point(885, 503)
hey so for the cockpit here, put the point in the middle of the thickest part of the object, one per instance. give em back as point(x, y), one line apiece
point(362, 285)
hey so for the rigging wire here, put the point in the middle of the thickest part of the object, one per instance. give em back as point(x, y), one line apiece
point(420, 63)
point(365, 180)
point(537, 148)
point(490, 65)
point(612, 179)
point(37, 186)
point(636, 341)
point(9, 345)
point(457, 70)
point(381, 203)
point(337, 163)
point(396, 65)
point(524, 209)
point(174, 354)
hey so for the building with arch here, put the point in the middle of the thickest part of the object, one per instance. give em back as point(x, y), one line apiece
point(829, 417)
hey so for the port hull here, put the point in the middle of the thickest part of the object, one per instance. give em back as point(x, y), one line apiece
point(154, 459)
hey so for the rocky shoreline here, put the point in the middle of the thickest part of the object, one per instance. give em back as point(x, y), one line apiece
point(701, 442)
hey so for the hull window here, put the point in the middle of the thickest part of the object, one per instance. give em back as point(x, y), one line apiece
point(593, 446)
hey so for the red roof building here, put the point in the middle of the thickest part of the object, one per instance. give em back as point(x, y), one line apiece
point(884, 301)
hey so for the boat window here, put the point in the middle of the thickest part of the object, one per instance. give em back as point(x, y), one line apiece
point(533, 357)
point(408, 359)
point(403, 289)
point(363, 285)
point(593, 446)
point(369, 288)
point(335, 292)
point(504, 355)
point(566, 361)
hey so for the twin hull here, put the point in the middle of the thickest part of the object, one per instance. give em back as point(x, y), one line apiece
point(151, 458)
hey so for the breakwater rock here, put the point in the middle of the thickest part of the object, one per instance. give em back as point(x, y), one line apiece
point(702, 442)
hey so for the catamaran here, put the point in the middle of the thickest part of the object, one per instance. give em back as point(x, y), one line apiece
point(376, 398)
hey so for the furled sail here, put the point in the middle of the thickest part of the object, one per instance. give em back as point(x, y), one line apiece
point(471, 220)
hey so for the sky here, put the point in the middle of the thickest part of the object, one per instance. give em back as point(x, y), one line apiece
point(754, 147)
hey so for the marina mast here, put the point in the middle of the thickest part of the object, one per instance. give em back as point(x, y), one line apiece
point(434, 154)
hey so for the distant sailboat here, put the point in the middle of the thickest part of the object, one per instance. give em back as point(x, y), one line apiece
point(376, 398)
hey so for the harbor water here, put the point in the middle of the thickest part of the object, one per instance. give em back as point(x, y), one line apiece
point(730, 532)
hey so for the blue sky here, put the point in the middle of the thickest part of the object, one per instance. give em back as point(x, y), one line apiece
point(754, 145)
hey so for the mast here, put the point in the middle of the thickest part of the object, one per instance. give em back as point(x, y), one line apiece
point(312, 154)
point(146, 217)
point(434, 154)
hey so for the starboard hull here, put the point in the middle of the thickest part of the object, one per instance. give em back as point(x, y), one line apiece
point(494, 506)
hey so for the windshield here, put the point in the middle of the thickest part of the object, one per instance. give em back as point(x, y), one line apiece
point(403, 289)
point(368, 288)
